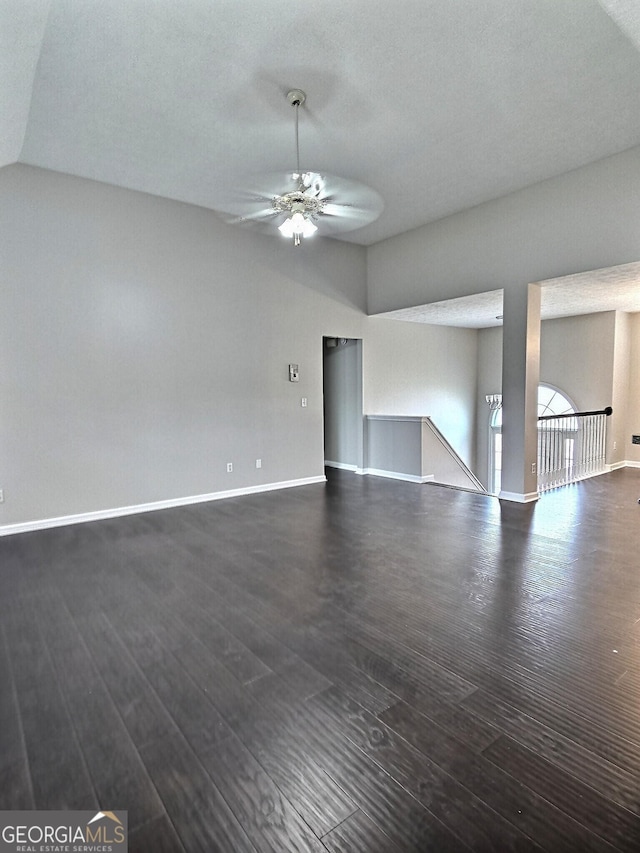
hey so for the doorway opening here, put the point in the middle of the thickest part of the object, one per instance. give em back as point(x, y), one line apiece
point(343, 403)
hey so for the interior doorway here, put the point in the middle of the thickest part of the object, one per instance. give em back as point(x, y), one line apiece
point(343, 403)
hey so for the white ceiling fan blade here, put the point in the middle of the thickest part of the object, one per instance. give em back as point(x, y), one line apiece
point(348, 212)
point(344, 191)
point(314, 184)
point(262, 215)
point(250, 189)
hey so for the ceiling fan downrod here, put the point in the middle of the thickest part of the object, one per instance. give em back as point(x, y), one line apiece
point(300, 206)
point(296, 98)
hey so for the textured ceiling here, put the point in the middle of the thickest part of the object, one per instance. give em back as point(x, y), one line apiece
point(438, 105)
point(610, 289)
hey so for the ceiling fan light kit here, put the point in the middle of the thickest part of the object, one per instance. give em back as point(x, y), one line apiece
point(311, 202)
point(297, 225)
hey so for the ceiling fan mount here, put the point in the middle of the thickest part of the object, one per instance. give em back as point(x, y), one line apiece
point(296, 97)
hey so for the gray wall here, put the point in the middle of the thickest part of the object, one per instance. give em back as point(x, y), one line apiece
point(586, 219)
point(146, 344)
point(420, 370)
point(410, 369)
point(576, 355)
point(588, 357)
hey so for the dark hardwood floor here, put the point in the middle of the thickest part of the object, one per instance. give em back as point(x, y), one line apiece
point(367, 666)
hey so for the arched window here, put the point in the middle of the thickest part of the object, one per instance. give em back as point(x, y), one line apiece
point(551, 401)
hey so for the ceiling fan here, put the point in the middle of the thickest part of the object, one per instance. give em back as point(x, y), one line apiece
point(299, 203)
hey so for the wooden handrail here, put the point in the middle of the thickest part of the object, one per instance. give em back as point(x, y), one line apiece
point(608, 411)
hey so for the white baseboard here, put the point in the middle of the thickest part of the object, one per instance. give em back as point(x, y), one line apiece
point(116, 512)
point(397, 475)
point(517, 497)
point(342, 466)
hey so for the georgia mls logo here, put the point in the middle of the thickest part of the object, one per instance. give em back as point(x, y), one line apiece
point(63, 832)
point(102, 832)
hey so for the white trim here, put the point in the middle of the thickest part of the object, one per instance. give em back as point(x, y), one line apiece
point(411, 419)
point(518, 497)
point(341, 465)
point(607, 469)
point(614, 466)
point(116, 512)
point(397, 475)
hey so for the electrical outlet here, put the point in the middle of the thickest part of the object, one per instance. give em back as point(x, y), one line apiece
point(533, 467)
point(229, 467)
point(1, 496)
point(258, 463)
point(303, 402)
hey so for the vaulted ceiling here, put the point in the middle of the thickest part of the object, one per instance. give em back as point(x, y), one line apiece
point(438, 105)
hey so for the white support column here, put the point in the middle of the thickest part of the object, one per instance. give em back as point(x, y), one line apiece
point(520, 379)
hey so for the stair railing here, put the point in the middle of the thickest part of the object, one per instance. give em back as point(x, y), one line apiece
point(571, 447)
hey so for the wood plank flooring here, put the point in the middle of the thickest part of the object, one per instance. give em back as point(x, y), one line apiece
point(366, 666)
